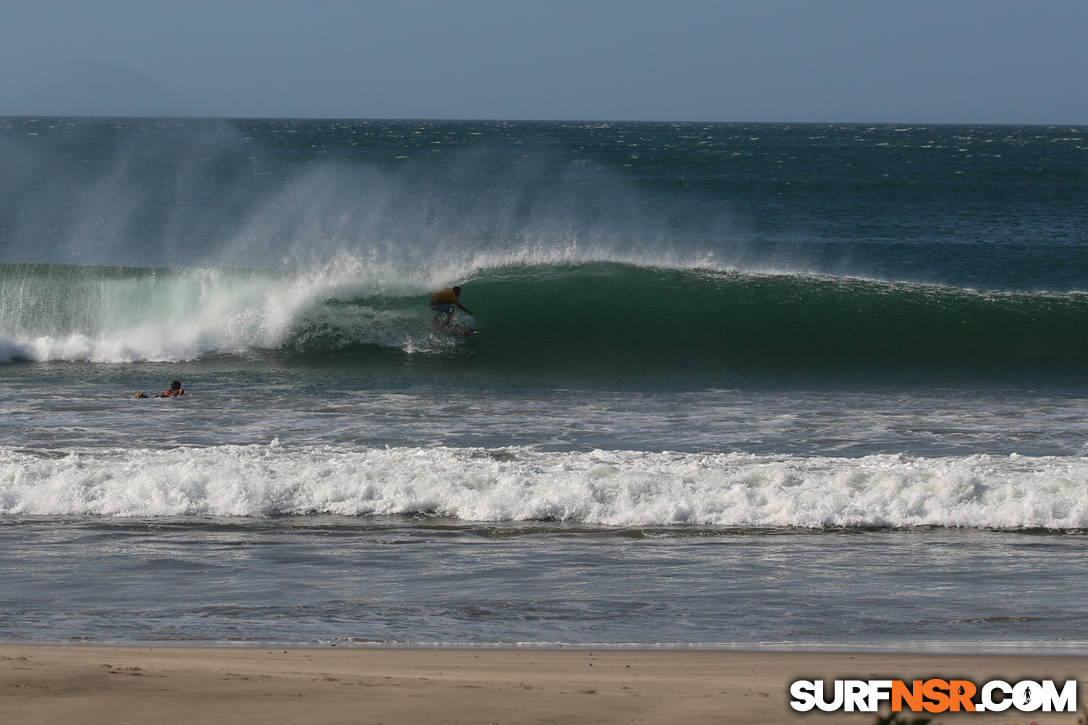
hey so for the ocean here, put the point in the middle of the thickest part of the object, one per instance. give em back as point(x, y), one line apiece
point(734, 385)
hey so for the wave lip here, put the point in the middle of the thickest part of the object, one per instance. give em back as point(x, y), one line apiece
point(598, 488)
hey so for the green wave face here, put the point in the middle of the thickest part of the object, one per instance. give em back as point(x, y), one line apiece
point(625, 316)
point(602, 318)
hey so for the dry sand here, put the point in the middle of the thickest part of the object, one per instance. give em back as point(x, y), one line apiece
point(75, 684)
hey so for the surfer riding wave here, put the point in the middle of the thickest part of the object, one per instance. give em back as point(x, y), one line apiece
point(443, 303)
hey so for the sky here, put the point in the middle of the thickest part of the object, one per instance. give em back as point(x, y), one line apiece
point(921, 61)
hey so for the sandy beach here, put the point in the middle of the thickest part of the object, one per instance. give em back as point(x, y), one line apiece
point(115, 685)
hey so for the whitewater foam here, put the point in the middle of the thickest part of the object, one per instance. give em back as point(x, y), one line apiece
point(607, 488)
point(119, 315)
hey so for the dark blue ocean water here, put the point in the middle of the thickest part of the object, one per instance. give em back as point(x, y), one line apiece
point(733, 384)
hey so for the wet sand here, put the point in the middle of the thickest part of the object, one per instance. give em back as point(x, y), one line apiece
point(164, 685)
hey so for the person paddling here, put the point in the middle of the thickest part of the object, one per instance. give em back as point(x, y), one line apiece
point(175, 391)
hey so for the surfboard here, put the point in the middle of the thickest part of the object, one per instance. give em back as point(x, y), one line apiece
point(455, 329)
point(460, 330)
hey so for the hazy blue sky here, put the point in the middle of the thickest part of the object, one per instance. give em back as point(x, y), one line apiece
point(978, 61)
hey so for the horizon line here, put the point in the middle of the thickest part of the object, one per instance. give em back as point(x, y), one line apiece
point(483, 119)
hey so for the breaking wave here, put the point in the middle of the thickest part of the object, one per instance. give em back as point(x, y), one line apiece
point(597, 315)
point(605, 488)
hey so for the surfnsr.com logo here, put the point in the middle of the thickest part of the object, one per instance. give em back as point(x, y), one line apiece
point(934, 695)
